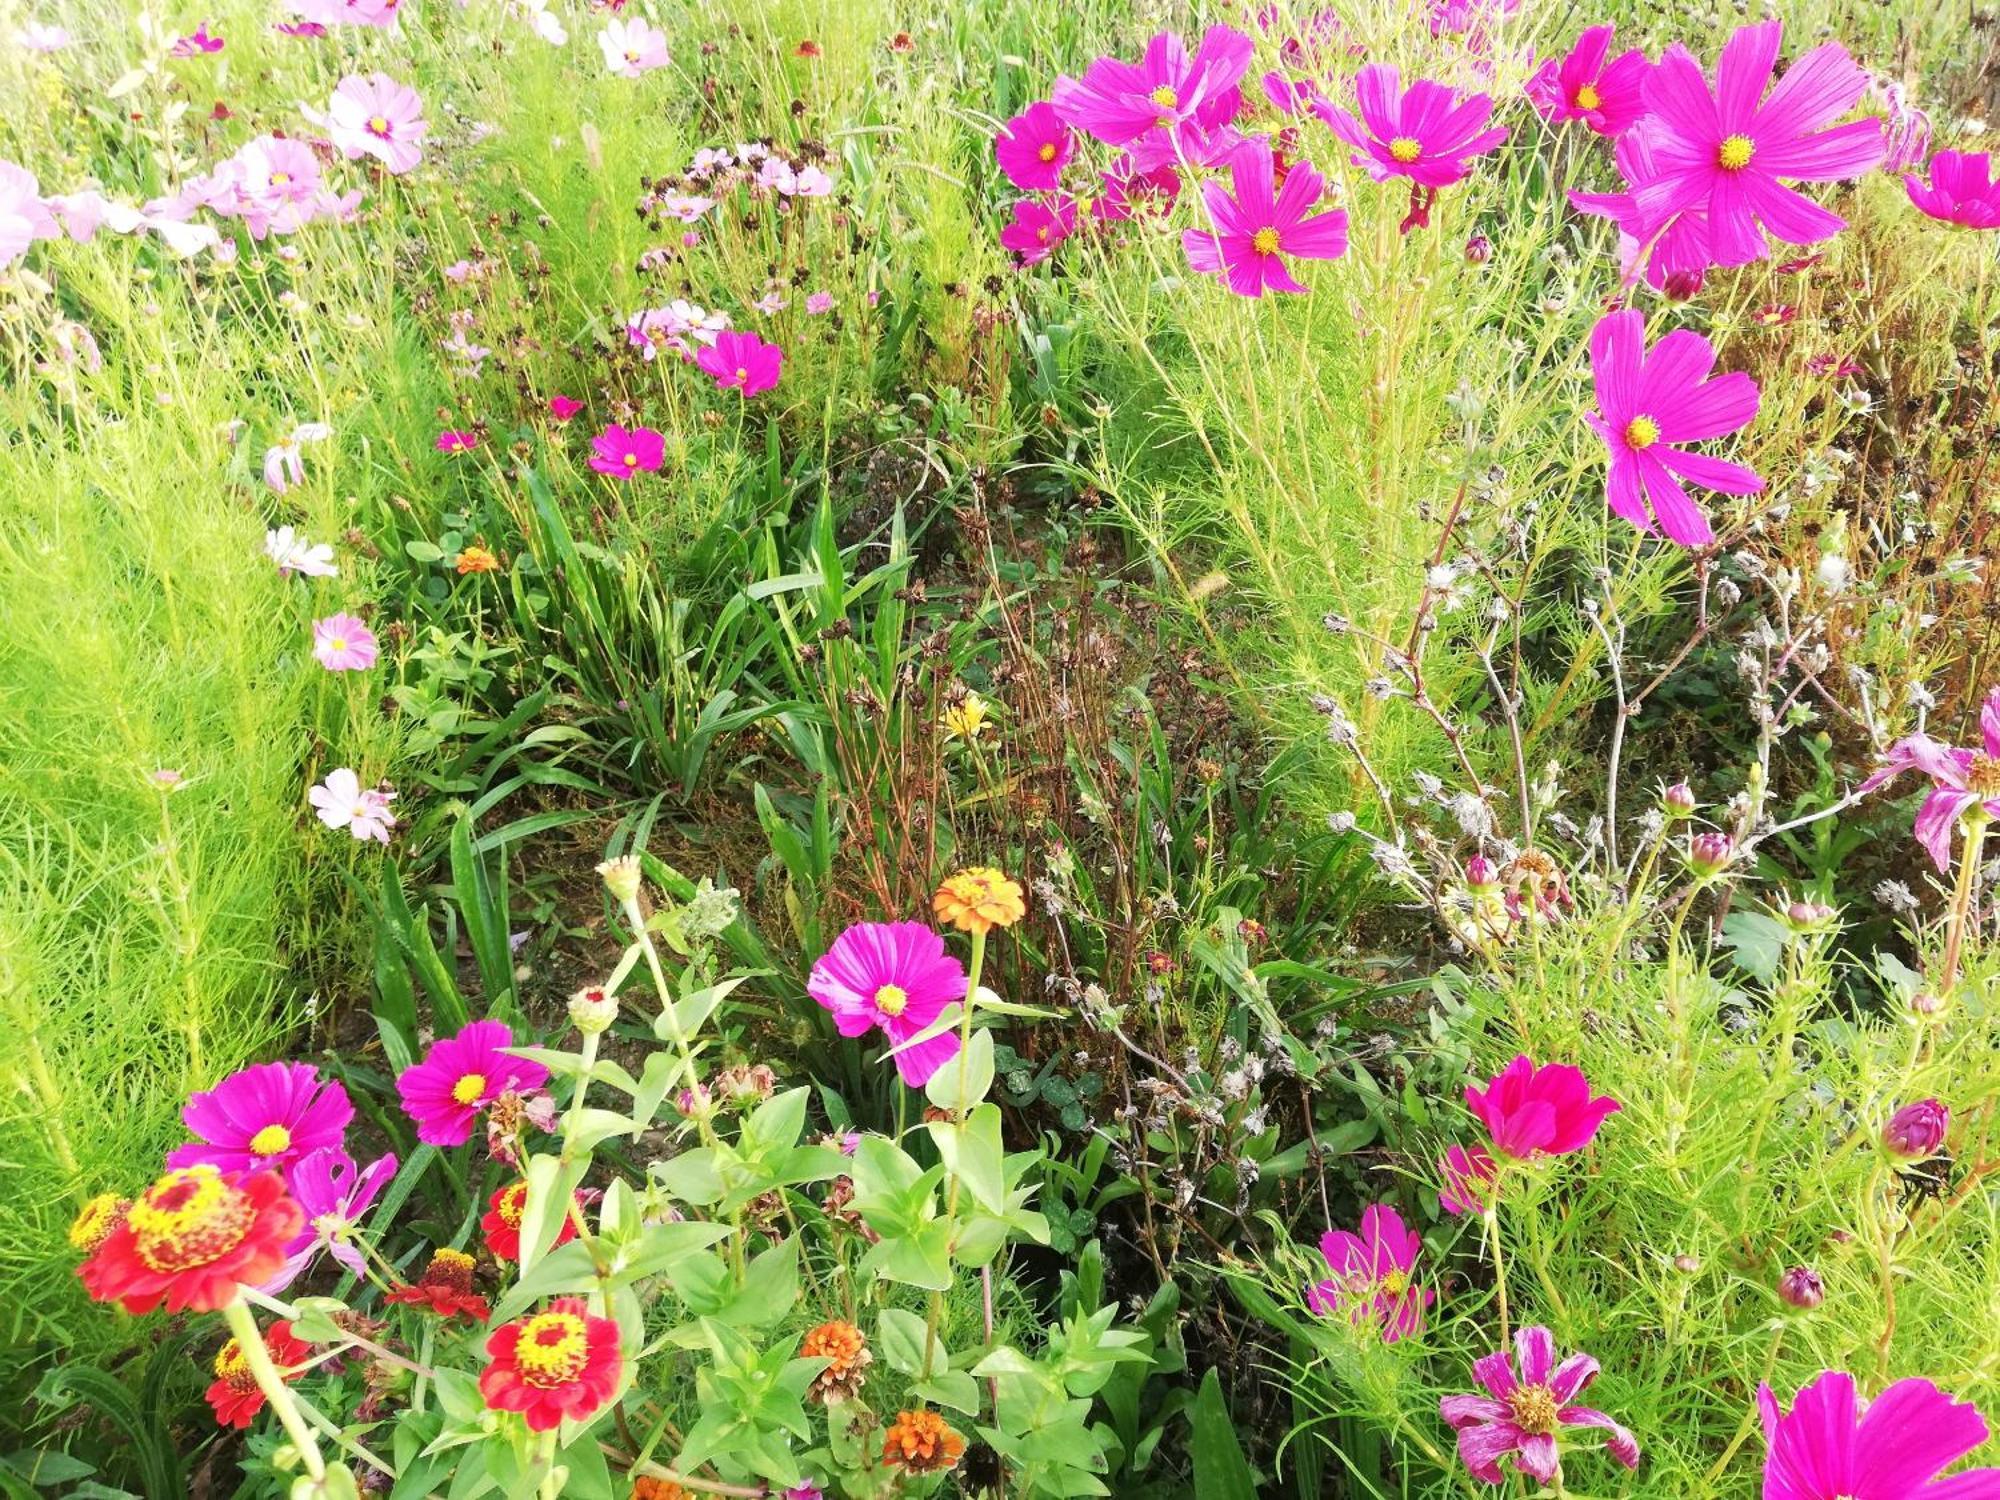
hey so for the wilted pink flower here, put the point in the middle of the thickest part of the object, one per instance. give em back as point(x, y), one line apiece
point(1129, 188)
point(462, 1075)
point(1253, 232)
point(1532, 1110)
point(1121, 102)
point(1470, 1177)
point(1425, 132)
point(1962, 190)
point(562, 408)
point(1038, 227)
point(632, 47)
point(292, 553)
point(1371, 1275)
point(343, 643)
point(1906, 130)
point(1034, 147)
point(342, 802)
point(1605, 96)
point(335, 1195)
point(819, 302)
point(379, 117)
point(1648, 404)
point(284, 462)
point(899, 977)
point(1916, 1132)
point(742, 361)
point(1722, 152)
point(622, 452)
point(1960, 779)
point(1524, 1416)
point(457, 440)
point(197, 43)
point(299, 28)
point(1830, 1447)
point(270, 1115)
point(24, 217)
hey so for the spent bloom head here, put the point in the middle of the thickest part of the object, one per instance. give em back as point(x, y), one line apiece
point(592, 1010)
point(1963, 781)
point(1528, 1411)
point(622, 875)
point(847, 1357)
point(1916, 1132)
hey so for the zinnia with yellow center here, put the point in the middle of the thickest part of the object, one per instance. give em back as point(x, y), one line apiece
point(559, 1363)
point(979, 899)
point(192, 1239)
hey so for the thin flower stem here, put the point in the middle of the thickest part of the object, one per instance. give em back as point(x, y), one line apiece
point(250, 1341)
point(1962, 898)
point(1492, 1222)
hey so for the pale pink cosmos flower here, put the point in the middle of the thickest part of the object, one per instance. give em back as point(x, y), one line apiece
point(1648, 404)
point(1255, 230)
point(378, 14)
point(1604, 93)
point(273, 184)
point(83, 213)
point(819, 302)
point(292, 553)
point(24, 217)
point(1523, 1415)
point(43, 36)
point(1962, 190)
point(379, 117)
point(1961, 779)
point(284, 462)
point(1833, 1446)
point(632, 47)
point(680, 326)
point(1371, 1281)
point(342, 802)
point(344, 643)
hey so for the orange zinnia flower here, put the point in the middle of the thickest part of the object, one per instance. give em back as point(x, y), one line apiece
point(978, 900)
point(848, 1358)
point(920, 1442)
point(477, 559)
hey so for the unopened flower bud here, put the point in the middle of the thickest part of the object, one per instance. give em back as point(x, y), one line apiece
point(1801, 1287)
point(1478, 250)
point(592, 1010)
point(1681, 285)
point(621, 877)
point(1710, 853)
point(1687, 1264)
point(1916, 1131)
point(1677, 801)
point(1481, 877)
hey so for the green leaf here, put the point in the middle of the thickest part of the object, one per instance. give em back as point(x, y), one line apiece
point(1220, 1470)
point(900, 1335)
point(974, 1065)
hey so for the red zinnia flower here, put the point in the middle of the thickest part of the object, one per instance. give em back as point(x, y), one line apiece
point(562, 1362)
point(445, 1288)
point(502, 1222)
point(235, 1394)
point(192, 1238)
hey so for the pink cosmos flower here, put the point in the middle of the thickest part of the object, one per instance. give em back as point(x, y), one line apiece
point(299, 28)
point(1524, 1416)
point(1648, 403)
point(1038, 227)
point(379, 14)
point(43, 36)
point(341, 801)
point(457, 440)
point(1425, 132)
point(1256, 229)
point(1960, 779)
point(622, 452)
point(1606, 96)
point(1830, 1446)
point(197, 43)
point(292, 553)
point(562, 408)
point(680, 326)
point(1034, 147)
point(459, 1077)
point(1676, 254)
point(1723, 152)
point(267, 1116)
point(1469, 1180)
point(24, 217)
point(343, 643)
point(1962, 191)
point(1371, 1275)
point(1531, 1110)
point(632, 47)
point(1119, 102)
point(379, 117)
point(285, 462)
point(819, 302)
point(335, 1195)
point(896, 976)
point(273, 184)
point(1128, 188)
point(742, 361)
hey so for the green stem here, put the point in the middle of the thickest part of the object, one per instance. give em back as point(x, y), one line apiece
point(243, 1324)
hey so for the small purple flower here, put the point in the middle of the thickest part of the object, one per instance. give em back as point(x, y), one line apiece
point(270, 1115)
point(1916, 1132)
point(1524, 1416)
point(336, 1195)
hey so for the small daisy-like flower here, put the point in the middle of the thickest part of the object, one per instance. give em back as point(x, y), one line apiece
point(476, 559)
point(445, 1288)
point(819, 302)
point(847, 1355)
point(292, 553)
point(622, 452)
point(235, 1395)
point(979, 899)
point(559, 1363)
point(341, 801)
point(920, 1442)
point(460, 1076)
point(192, 1240)
point(96, 1219)
point(344, 643)
point(1526, 1411)
point(501, 1222)
point(454, 440)
point(966, 719)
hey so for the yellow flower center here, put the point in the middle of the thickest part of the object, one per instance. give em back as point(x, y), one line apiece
point(1587, 97)
point(891, 999)
point(279, 179)
point(470, 1089)
point(1166, 98)
point(230, 1362)
point(95, 1220)
point(1405, 149)
point(1048, 151)
point(1265, 241)
point(632, 58)
point(1982, 777)
point(631, 460)
point(270, 1141)
point(1534, 1408)
point(378, 125)
point(1396, 1283)
point(743, 374)
point(1734, 154)
point(1641, 432)
point(189, 1218)
point(335, 643)
point(553, 1349)
point(511, 1204)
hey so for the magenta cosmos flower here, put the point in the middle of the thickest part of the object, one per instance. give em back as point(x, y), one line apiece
point(1675, 254)
point(336, 1195)
point(1470, 1178)
point(344, 643)
point(1120, 102)
point(622, 452)
point(1371, 1275)
point(1038, 227)
point(1531, 1110)
point(460, 1076)
point(197, 43)
point(742, 361)
point(379, 117)
point(457, 440)
point(1962, 190)
point(1034, 147)
point(896, 976)
point(1425, 132)
point(1649, 403)
point(1829, 1447)
point(1960, 779)
point(1524, 1415)
point(1724, 151)
point(1607, 96)
point(265, 1116)
point(1256, 229)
